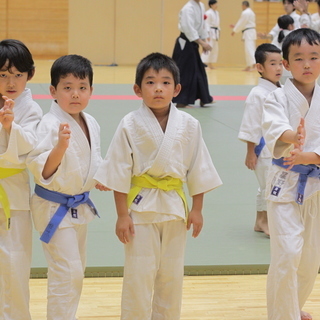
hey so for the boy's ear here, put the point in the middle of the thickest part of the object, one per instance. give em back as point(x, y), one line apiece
point(32, 74)
point(286, 64)
point(137, 90)
point(177, 90)
point(53, 91)
point(259, 67)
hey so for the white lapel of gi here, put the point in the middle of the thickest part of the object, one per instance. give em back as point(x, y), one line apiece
point(165, 140)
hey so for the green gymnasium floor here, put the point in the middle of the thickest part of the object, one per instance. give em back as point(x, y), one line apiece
point(227, 244)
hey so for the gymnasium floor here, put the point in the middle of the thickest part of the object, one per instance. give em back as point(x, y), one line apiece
point(227, 244)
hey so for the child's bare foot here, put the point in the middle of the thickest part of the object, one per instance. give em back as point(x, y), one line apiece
point(262, 223)
point(305, 315)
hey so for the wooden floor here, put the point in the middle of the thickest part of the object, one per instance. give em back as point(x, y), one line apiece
point(234, 297)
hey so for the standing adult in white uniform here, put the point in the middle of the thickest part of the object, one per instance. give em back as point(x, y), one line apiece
point(212, 24)
point(17, 139)
point(186, 54)
point(247, 25)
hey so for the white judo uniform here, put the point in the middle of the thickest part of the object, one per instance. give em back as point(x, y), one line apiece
point(276, 29)
point(154, 264)
point(16, 243)
point(294, 229)
point(212, 24)
point(251, 130)
point(277, 43)
point(66, 251)
point(247, 25)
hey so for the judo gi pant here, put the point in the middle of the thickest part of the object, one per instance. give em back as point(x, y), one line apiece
point(261, 172)
point(211, 56)
point(295, 256)
point(153, 272)
point(249, 50)
point(66, 258)
point(15, 262)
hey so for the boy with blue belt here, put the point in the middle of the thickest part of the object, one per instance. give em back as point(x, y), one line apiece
point(269, 65)
point(291, 130)
point(63, 165)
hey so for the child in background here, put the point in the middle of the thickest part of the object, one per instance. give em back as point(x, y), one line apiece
point(291, 130)
point(18, 120)
point(63, 165)
point(154, 151)
point(286, 24)
point(258, 158)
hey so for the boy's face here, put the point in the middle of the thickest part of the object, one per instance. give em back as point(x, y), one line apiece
point(304, 62)
point(271, 69)
point(72, 94)
point(157, 89)
point(12, 83)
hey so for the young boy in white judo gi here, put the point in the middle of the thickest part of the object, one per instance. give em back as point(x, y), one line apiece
point(291, 130)
point(19, 116)
point(269, 65)
point(63, 165)
point(154, 151)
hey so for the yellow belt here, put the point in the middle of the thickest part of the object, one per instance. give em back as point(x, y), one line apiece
point(5, 173)
point(166, 184)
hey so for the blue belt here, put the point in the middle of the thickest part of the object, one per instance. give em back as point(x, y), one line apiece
point(305, 172)
point(66, 202)
point(259, 147)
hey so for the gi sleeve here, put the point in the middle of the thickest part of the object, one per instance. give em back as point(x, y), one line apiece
point(202, 176)
point(115, 171)
point(274, 123)
point(250, 129)
point(23, 138)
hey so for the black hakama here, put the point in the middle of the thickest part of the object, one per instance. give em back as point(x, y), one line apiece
point(193, 77)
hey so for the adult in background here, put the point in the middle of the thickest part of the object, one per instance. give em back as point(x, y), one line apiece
point(213, 26)
point(247, 25)
point(186, 54)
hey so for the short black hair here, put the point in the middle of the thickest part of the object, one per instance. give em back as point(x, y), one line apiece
point(290, 1)
point(78, 66)
point(296, 37)
point(157, 61)
point(262, 51)
point(211, 2)
point(246, 3)
point(14, 53)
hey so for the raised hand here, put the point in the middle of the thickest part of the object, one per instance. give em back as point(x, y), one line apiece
point(64, 135)
point(6, 113)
